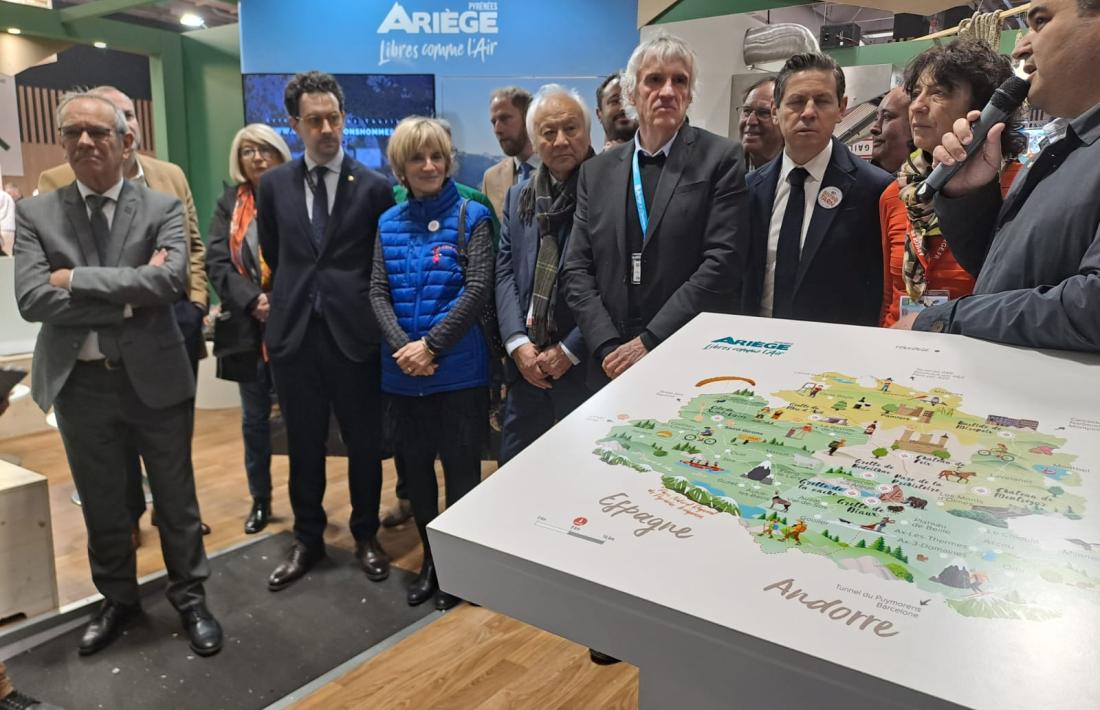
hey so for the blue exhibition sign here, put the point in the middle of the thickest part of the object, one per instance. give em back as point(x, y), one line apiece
point(442, 37)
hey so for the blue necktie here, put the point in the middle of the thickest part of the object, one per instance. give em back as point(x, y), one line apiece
point(525, 170)
point(789, 249)
point(319, 220)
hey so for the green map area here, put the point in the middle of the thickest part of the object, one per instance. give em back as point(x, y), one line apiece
point(883, 479)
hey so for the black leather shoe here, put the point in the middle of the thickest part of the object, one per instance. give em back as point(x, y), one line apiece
point(106, 625)
point(373, 559)
point(203, 630)
point(299, 561)
point(399, 514)
point(17, 701)
point(425, 585)
point(444, 601)
point(602, 659)
point(259, 517)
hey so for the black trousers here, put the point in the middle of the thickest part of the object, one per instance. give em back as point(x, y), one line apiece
point(317, 380)
point(530, 412)
point(99, 414)
point(189, 320)
point(454, 426)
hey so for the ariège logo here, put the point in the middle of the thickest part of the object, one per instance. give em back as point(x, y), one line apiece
point(756, 347)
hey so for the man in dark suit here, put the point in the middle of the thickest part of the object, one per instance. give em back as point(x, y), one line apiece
point(317, 221)
point(816, 245)
point(100, 264)
point(546, 347)
point(661, 230)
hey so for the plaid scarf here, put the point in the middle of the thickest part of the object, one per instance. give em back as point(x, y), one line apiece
point(553, 209)
point(923, 224)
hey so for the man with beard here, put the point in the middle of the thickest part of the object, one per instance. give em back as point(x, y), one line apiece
point(618, 127)
point(545, 344)
point(760, 135)
point(508, 114)
point(1036, 252)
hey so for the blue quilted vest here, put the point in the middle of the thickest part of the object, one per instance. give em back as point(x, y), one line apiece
point(426, 280)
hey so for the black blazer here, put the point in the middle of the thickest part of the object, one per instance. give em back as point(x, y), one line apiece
point(340, 269)
point(695, 248)
point(840, 273)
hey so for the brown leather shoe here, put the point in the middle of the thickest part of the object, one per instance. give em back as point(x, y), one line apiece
point(298, 561)
point(373, 559)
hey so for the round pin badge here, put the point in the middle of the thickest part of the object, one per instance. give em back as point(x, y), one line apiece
point(829, 197)
point(433, 226)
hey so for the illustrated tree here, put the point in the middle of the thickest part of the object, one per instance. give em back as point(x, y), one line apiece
point(1056, 491)
point(861, 543)
point(900, 555)
point(879, 544)
point(879, 452)
point(890, 407)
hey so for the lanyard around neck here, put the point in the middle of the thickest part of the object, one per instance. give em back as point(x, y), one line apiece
point(639, 196)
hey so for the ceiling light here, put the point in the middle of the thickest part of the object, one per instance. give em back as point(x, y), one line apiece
point(99, 45)
point(14, 31)
point(190, 19)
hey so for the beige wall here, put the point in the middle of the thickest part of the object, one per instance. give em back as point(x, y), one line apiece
point(717, 41)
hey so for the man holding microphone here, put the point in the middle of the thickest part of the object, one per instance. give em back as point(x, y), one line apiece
point(1036, 255)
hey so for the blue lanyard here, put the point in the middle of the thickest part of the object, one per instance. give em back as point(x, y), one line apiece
point(639, 196)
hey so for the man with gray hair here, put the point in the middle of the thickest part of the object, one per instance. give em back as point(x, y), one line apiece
point(508, 114)
point(660, 232)
point(537, 328)
point(100, 263)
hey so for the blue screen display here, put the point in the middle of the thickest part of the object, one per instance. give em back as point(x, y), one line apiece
point(374, 104)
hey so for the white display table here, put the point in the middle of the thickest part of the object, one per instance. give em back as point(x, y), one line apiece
point(767, 513)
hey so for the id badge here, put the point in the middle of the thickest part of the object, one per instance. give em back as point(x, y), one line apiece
point(907, 306)
point(636, 268)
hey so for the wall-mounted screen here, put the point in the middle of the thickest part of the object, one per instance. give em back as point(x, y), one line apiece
point(374, 104)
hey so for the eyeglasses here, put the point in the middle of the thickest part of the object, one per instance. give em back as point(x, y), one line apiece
point(317, 122)
point(265, 151)
point(72, 134)
point(762, 114)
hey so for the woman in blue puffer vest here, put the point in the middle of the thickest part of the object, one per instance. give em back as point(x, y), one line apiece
point(431, 280)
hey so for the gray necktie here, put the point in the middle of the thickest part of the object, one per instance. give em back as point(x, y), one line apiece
point(101, 231)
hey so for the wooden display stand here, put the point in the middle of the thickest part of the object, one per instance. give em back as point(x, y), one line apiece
point(28, 579)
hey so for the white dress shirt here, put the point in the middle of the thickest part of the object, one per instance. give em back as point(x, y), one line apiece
point(666, 148)
point(332, 180)
point(816, 168)
point(90, 349)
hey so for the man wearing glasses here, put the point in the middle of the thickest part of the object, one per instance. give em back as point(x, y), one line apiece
point(760, 135)
point(317, 222)
point(167, 178)
point(100, 263)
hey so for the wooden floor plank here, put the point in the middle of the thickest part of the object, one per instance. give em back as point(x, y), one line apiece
point(469, 659)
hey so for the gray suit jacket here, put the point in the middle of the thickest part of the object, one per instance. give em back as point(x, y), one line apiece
point(53, 232)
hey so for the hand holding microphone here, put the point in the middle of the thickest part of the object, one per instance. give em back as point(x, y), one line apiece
point(979, 134)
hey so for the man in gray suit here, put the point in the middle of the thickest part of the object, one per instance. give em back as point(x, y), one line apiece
point(99, 263)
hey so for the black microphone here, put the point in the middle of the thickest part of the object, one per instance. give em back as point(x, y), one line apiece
point(1006, 100)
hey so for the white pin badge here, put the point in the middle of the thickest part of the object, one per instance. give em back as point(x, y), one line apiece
point(830, 197)
point(433, 226)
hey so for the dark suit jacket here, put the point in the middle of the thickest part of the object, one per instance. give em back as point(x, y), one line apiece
point(339, 270)
point(840, 273)
point(515, 277)
point(694, 251)
point(53, 232)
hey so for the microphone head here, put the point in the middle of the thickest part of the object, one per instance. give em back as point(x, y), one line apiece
point(1011, 94)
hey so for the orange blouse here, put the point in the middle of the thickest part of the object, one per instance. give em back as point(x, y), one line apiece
point(947, 274)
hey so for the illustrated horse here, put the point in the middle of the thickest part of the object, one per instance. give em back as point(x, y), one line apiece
point(777, 500)
point(960, 476)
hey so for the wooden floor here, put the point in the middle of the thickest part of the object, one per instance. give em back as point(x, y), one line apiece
point(469, 659)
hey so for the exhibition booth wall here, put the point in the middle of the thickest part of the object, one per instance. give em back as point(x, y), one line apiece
point(470, 49)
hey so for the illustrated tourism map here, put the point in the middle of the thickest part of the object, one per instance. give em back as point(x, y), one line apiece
point(842, 491)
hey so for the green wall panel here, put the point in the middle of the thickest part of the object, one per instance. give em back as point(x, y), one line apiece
point(697, 9)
